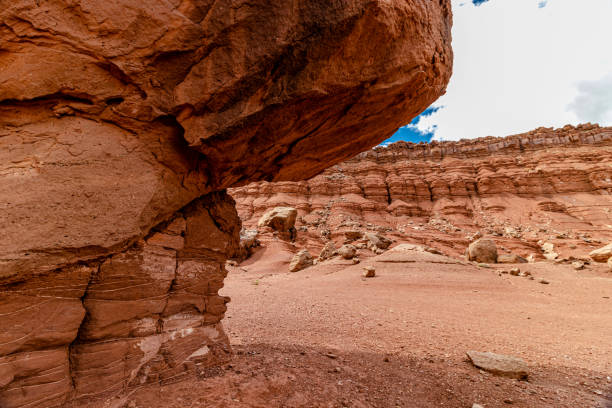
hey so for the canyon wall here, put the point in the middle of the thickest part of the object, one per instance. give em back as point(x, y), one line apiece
point(546, 185)
point(121, 125)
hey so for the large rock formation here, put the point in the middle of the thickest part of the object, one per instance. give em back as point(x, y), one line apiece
point(522, 191)
point(120, 120)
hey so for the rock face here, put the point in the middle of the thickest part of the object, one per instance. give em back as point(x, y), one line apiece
point(483, 250)
point(546, 185)
point(122, 121)
point(146, 314)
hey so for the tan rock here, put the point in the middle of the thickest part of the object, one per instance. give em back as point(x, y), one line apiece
point(279, 219)
point(377, 241)
point(499, 364)
point(328, 251)
point(610, 264)
point(369, 272)
point(353, 235)
point(602, 254)
point(483, 251)
point(347, 251)
point(300, 261)
point(510, 259)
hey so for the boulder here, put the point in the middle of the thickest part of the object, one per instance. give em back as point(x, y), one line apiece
point(482, 251)
point(578, 265)
point(498, 364)
point(510, 259)
point(602, 254)
point(347, 251)
point(301, 260)
point(376, 241)
point(280, 219)
point(353, 235)
point(328, 251)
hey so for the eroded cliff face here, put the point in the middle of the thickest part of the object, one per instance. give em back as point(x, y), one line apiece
point(119, 122)
point(546, 185)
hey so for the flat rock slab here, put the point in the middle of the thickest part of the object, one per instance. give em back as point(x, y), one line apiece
point(499, 364)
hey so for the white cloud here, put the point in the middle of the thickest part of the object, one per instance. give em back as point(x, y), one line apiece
point(594, 101)
point(519, 66)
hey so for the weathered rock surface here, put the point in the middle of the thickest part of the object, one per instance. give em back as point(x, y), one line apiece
point(499, 364)
point(510, 259)
point(279, 219)
point(147, 314)
point(116, 117)
point(482, 250)
point(602, 254)
point(369, 272)
point(549, 185)
point(300, 261)
point(328, 251)
point(347, 251)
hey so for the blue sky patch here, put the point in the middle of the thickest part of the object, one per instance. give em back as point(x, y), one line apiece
point(411, 133)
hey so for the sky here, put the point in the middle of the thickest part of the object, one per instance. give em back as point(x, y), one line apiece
point(522, 64)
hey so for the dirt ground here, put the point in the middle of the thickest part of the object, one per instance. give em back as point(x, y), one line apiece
point(327, 337)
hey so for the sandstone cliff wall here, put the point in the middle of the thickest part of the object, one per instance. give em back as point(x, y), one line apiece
point(118, 123)
point(552, 185)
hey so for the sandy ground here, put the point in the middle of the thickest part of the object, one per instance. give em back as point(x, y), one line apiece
point(327, 337)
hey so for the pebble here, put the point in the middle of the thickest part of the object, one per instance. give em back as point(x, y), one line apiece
point(370, 272)
point(544, 282)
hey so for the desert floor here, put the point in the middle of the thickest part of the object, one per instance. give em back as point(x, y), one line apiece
point(327, 337)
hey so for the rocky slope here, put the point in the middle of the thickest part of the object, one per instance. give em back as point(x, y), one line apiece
point(545, 186)
point(121, 123)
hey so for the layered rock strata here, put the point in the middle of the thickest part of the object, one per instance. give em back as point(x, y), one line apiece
point(524, 191)
point(118, 123)
point(147, 314)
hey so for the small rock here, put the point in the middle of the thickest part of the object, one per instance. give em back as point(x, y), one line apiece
point(356, 260)
point(328, 251)
point(376, 241)
point(515, 271)
point(544, 282)
point(578, 265)
point(370, 272)
point(477, 406)
point(499, 364)
point(347, 251)
point(353, 235)
point(510, 259)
